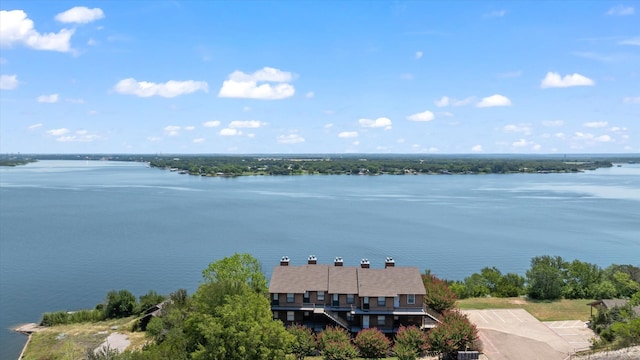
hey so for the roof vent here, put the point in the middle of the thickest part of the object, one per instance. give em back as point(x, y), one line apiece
point(312, 260)
point(389, 262)
point(364, 263)
point(284, 261)
point(338, 261)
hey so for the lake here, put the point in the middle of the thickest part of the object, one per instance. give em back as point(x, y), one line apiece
point(70, 231)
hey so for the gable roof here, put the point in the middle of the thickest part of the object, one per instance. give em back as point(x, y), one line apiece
point(387, 282)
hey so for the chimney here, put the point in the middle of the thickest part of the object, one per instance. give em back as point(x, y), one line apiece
point(389, 262)
point(312, 260)
point(364, 263)
point(284, 261)
point(338, 261)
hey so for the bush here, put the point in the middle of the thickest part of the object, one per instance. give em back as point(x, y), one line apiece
point(410, 343)
point(372, 344)
point(454, 333)
point(119, 304)
point(335, 344)
point(64, 317)
point(305, 343)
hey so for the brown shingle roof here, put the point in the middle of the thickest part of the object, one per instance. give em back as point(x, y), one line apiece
point(298, 279)
point(387, 282)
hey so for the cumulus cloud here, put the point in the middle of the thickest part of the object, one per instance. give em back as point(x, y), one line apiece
point(171, 88)
point(49, 99)
point(212, 123)
point(58, 132)
point(328, 126)
point(172, 130)
point(631, 100)
point(8, 82)
point(447, 101)
point(603, 138)
point(348, 134)
point(256, 85)
point(621, 10)
point(553, 123)
point(517, 128)
point(35, 126)
point(17, 28)
point(596, 124)
point(250, 124)
point(419, 54)
point(381, 122)
point(230, 132)
point(78, 136)
point(520, 143)
point(423, 116)
point(80, 15)
point(554, 80)
point(190, 128)
point(290, 139)
point(494, 100)
point(477, 148)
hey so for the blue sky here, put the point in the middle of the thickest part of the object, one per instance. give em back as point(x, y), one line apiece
point(320, 77)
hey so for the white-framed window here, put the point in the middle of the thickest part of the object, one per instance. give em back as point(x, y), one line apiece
point(305, 297)
point(291, 316)
point(290, 297)
point(275, 296)
point(351, 298)
point(382, 301)
point(320, 295)
point(411, 299)
point(380, 319)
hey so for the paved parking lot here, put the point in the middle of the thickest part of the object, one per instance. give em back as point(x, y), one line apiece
point(516, 334)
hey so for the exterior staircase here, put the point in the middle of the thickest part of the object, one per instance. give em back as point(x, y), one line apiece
point(333, 316)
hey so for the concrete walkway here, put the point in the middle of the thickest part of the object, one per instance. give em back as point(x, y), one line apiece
point(114, 341)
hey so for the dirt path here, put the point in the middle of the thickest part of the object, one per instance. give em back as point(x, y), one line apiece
point(115, 341)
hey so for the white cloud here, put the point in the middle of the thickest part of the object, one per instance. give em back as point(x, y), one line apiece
point(246, 109)
point(171, 88)
point(520, 143)
point(583, 136)
point(497, 13)
point(477, 148)
point(241, 85)
point(621, 10)
point(617, 129)
point(631, 100)
point(49, 99)
point(251, 124)
point(35, 126)
point(154, 138)
point(80, 15)
point(553, 80)
point(80, 136)
point(17, 28)
point(290, 139)
point(423, 116)
point(8, 82)
point(172, 130)
point(553, 123)
point(603, 138)
point(212, 123)
point(447, 101)
point(92, 42)
point(560, 135)
point(58, 132)
point(328, 126)
point(198, 140)
point(494, 100)
point(517, 128)
point(633, 41)
point(310, 95)
point(596, 124)
point(419, 54)
point(189, 128)
point(381, 122)
point(230, 132)
point(348, 134)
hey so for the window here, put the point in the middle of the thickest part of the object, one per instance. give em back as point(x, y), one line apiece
point(411, 298)
point(275, 297)
point(382, 301)
point(351, 298)
point(275, 315)
point(380, 319)
point(305, 298)
point(289, 297)
point(291, 316)
point(320, 295)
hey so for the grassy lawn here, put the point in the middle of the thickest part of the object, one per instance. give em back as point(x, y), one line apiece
point(62, 342)
point(541, 310)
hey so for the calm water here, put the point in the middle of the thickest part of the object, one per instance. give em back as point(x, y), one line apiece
point(70, 231)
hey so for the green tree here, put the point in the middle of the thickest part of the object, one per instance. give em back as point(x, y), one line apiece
point(335, 344)
point(120, 303)
point(491, 277)
point(372, 344)
point(237, 269)
point(148, 300)
point(305, 341)
point(410, 343)
point(476, 286)
point(581, 280)
point(625, 286)
point(454, 333)
point(438, 295)
point(545, 277)
point(510, 285)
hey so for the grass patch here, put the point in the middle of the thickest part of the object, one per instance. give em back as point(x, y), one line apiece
point(62, 342)
point(542, 310)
